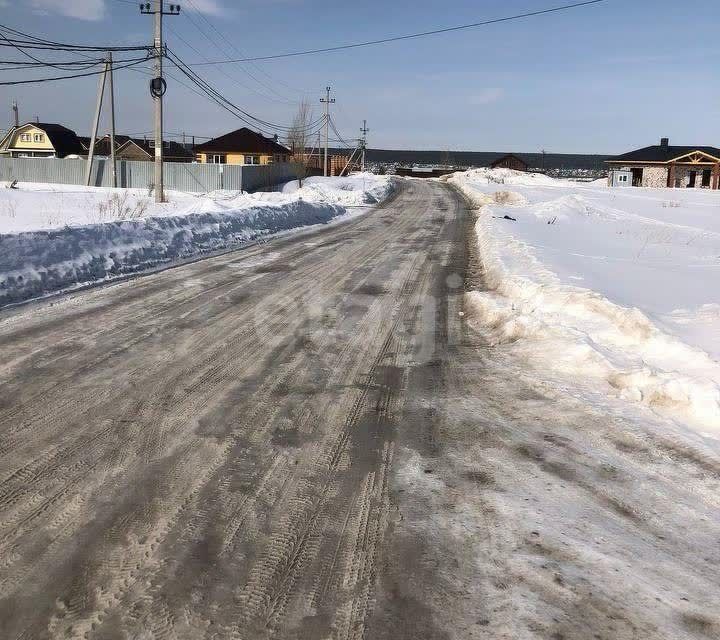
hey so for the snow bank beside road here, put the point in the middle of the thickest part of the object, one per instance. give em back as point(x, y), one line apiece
point(614, 290)
point(55, 236)
point(357, 190)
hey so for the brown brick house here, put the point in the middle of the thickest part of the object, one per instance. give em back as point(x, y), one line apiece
point(664, 165)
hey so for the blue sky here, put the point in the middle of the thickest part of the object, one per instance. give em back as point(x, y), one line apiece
point(600, 79)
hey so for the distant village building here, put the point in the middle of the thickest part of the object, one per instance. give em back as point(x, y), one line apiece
point(242, 146)
point(510, 161)
point(337, 162)
point(40, 140)
point(423, 172)
point(141, 149)
point(664, 165)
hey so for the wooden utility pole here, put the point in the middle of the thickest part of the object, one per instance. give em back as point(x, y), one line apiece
point(328, 101)
point(158, 86)
point(16, 113)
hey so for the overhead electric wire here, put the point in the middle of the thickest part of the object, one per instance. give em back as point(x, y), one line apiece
point(64, 66)
point(223, 72)
point(240, 113)
point(41, 46)
point(10, 65)
point(151, 74)
point(69, 77)
point(224, 103)
point(337, 133)
point(421, 34)
point(213, 42)
point(242, 53)
point(35, 42)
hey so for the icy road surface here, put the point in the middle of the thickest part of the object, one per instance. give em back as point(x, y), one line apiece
point(304, 440)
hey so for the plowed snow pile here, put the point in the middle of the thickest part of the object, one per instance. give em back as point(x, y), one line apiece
point(58, 236)
point(612, 292)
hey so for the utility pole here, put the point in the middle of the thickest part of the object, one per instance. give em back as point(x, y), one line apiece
point(328, 101)
point(96, 121)
point(158, 86)
point(109, 71)
point(15, 113)
point(364, 131)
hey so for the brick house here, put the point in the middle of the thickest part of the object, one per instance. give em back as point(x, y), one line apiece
point(664, 165)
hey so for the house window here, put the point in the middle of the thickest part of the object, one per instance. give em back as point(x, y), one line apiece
point(25, 137)
point(693, 176)
point(622, 178)
point(38, 137)
point(217, 158)
point(706, 174)
point(252, 159)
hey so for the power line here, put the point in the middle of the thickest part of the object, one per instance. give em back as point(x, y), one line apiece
point(221, 70)
point(44, 63)
point(409, 36)
point(69, 77)
point(214, 95)
point(213, 41)
point(339, 136)
point(242, 53)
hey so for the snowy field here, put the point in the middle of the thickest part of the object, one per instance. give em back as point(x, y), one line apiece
point(614, 293)
point(58, 236)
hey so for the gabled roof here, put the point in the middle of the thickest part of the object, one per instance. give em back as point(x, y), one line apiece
point(663, 153)
point(242, 140)
point(506, 157)
point(64, 140)
point(171, 149)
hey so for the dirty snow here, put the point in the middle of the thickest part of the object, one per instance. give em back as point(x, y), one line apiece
point(613, 292)
point(58, 236)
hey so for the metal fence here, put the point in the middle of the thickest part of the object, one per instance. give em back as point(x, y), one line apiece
point(133, 174)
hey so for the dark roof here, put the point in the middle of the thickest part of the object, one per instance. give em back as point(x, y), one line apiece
point(102, 145)
point(64, 140)
point(661, 153)
point(497, 161)
point(171, 149)
point(242, 140)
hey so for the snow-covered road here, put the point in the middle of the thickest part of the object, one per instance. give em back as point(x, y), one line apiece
point(306, 439)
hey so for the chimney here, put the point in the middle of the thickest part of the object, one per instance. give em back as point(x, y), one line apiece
point(664, 142)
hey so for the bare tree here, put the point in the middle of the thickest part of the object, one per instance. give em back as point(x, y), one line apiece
point(298, 138)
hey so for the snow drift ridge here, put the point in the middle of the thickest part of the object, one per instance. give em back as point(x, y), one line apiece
point(39, 262)
point(578, 334)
